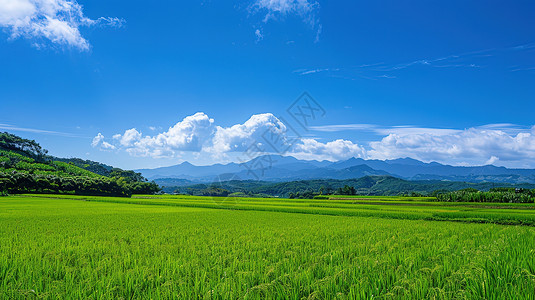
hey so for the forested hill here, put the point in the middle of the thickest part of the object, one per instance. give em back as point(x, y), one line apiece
point(368, 185)
point(25, 167)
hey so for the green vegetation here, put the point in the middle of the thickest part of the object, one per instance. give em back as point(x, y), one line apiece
point(25, 167)
point(368, 185)
point(415, 208)
point(91, 166)
point(186, 247)
point(494, 195)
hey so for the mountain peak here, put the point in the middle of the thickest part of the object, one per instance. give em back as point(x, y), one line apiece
point(407, 161)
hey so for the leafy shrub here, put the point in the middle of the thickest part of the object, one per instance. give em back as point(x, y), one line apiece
point(471, 196)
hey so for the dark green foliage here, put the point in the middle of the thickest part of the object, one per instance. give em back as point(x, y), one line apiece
point(24, 168)
point(17, 182)
point(30, 148)
point(215, 191)
point(497, 195)
point(4, 184)
point(92, 166)
point(308, 194)
point(129, 176)
point(369, 185)
point(347, 190)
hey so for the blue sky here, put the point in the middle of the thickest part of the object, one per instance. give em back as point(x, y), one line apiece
point(449, 82)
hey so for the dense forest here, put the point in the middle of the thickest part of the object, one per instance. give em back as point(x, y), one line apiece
point(368, 185)
point(25, 167)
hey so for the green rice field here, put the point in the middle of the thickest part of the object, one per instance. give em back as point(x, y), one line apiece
point(188, 247)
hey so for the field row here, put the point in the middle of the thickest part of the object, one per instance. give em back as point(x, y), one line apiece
point(499, 213)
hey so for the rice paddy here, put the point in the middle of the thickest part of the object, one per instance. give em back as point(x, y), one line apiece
point(186, 247)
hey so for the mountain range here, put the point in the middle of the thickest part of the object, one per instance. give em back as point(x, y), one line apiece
point(285, 168)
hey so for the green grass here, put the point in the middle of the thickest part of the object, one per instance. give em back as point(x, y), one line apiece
point(185, 247)
point(379, 207)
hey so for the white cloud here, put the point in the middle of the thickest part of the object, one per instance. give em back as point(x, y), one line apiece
point(307, 10)
point(190, 134)
point(343, 127)
point(97, 140)
point(492, 160)
point(240, 136)
point(258, 35)
point(280, 8)
point(333, 151)
point(106, 145)
point(129, 137)
point(503, 144)
point(197, 133)
point(410, 129)
point(58, 21)
point(33, 130)
point(474, 146)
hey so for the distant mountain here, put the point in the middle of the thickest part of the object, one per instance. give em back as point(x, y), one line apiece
point(268, 167)
point(414, 169)
point(285, 168)
point(186, 170)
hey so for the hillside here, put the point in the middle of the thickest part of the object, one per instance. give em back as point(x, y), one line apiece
point(368, 185)
point(25, 167)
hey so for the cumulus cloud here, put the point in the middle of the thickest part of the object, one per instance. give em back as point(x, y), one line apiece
point(107, 146)
point(58, 21)
point(98, 141)
point(190, 134)
point(197, 133)
point(474, 145)
point(510, 145)
point(129, 138)
point(336, 150)
point(240, 136)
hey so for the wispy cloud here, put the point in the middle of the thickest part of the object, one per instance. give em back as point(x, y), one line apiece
point(306, 72)
point(523, 69)
point(344, 127)
point(467, 60)
point(411, 129)
point(9, 127)
point(385, 130)
point(50, 22)
point(259, 35)
point(275, 10)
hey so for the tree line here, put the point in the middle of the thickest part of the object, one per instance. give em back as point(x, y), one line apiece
point(18, 182)
point(26, 168)
point(502, 195)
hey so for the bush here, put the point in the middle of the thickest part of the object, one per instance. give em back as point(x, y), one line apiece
point(491, 196)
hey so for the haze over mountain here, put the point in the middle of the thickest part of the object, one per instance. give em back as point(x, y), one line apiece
point(286, 168)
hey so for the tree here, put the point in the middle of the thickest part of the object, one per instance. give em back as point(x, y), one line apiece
point(31, 148)
point(4, 184)
point(347, 190)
